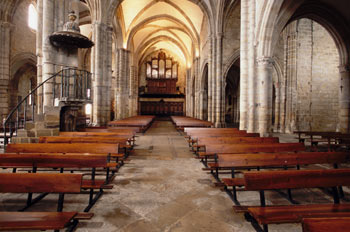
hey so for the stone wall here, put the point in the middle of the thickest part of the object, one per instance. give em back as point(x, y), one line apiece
point(22, 38)
point(231, 40)
point(204, 45)
point(311, 70)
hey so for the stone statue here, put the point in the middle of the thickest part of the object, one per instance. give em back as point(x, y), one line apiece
point(71, 25)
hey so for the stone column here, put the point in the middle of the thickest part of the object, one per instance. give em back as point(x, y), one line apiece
point(251, 69)
point(282, 107)
point(122, 90)
point(188, 93)
point(197, 87)
point(101, 61)
point(133, 93)
point(210, 78)
point(344, 99)
point(39, 55)
point(291, 79)
point(284, 87)
point(243, 123)
point(265, 94)
point(48, 67)
point(5, 38)
point(220, 90)
point(277, 113)
point(200, 102)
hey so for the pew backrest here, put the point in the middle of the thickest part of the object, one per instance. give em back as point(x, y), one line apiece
point(106, 148)
point(40, 183)
point(254, 148)
point(293, 179)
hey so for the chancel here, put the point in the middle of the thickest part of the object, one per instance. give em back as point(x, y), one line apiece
point(174, 115)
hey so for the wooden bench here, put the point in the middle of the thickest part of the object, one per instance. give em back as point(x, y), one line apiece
point(102, 148)
point(124, 142)
point(61, 161)
point(270, 160)
point(316, 137)
point(202, 141)
point(204, 129)
point(41, 183)
point(194, 136)
point(130, 136)
point(182, 122)
point(214, 149)
point(261, 160)
point(142, 122)
point(293, 179)
point(110, 129)
point(93, 134)
point(336, 222)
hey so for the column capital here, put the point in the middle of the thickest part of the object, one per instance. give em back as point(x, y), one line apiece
point(344, 68)
point(124, 50)
point(219, 35)
point(8, 25)
point(264, 61)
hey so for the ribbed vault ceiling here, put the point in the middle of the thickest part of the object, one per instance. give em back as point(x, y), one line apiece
point(172, 25)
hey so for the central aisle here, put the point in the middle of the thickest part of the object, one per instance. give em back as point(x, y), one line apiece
point(163, 188)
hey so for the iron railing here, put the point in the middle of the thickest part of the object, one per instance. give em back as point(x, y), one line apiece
point(69, 84)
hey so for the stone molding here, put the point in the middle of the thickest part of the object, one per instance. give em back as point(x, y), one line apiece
point(265, 61)
point(344, 68)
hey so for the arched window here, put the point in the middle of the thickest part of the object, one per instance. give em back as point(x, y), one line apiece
point(32, 17)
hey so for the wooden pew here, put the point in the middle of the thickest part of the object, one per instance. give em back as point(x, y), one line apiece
point(123, 142)
point(190, 129)
point(41, 183)
point(213, 149)
point(103, 148)
point(110, 129)
point(195, 135)
point(61, 161)
point(338, 223)
point(270, 160)
point(91, 134)
point(316, 137)
point(130, 136)
point(182, 122)
point(202, 141)
point(293, 179)
point(143, 122)
point(261, 160)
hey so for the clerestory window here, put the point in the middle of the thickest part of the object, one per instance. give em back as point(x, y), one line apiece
point(32, 17)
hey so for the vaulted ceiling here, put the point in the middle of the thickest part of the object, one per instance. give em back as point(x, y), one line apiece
point(171, 25)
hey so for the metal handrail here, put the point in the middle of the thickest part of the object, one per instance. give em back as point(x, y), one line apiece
point(64, 93)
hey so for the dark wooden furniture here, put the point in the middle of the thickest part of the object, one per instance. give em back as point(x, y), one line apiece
point(61, 161)
point(202, 141)
point(143, 122)
point(181, 122)
point(162, 108)
point(270, 160)
point(41, 183)
point(293, 179)
point(212, 149)
point(336, 222)
point(106, 148)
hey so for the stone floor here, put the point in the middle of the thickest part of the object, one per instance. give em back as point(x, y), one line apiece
point(163, 188)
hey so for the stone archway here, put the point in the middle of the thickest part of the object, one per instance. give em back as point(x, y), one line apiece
point(204, 94)
point(21, 83)
point(232, 95)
